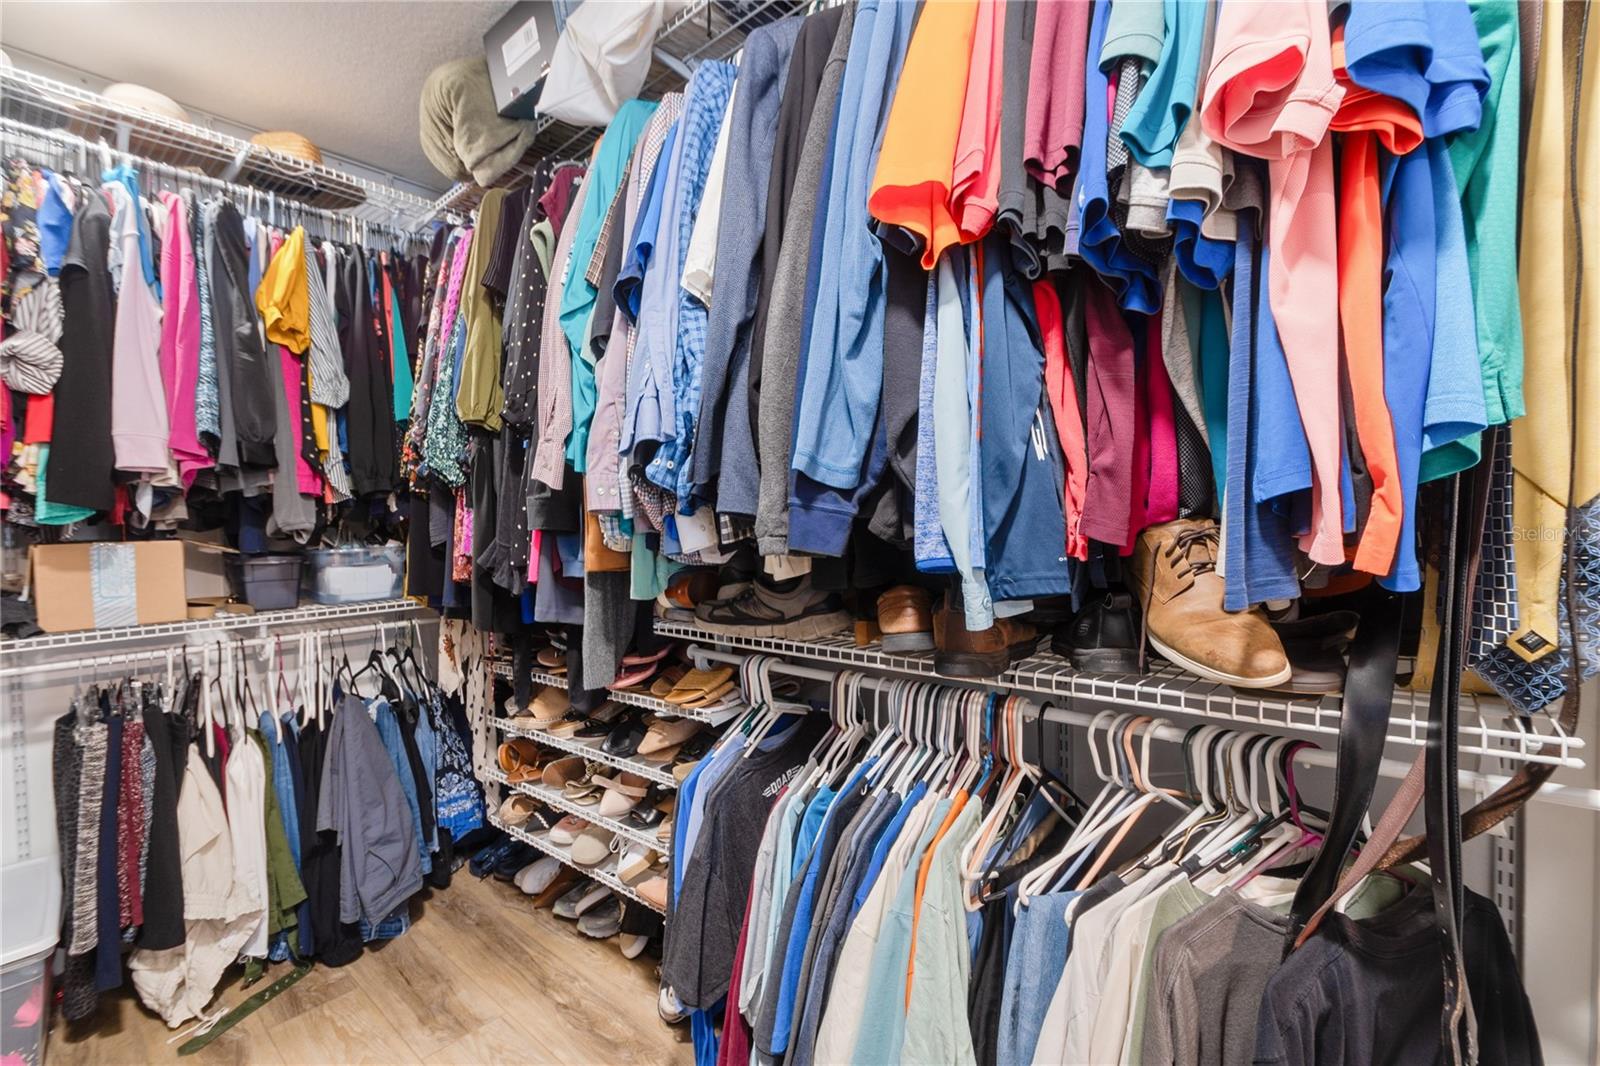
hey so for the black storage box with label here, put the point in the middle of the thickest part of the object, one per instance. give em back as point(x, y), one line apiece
point(518, 48)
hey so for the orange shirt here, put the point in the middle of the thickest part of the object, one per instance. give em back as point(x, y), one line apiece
point(958, 801)
point(1366, 119)
point(911, 187)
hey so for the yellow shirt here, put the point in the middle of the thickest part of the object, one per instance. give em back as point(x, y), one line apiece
point(283, 299)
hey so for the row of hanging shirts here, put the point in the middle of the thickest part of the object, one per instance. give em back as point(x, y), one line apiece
point(924, 891)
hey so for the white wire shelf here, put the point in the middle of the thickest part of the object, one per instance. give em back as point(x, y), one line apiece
point(661, 707)
point(605, 873)
point(553, 797)
point(592, 751)
point(33, 100)
point(704, 29)
point(1488, 726)
point(312, 614)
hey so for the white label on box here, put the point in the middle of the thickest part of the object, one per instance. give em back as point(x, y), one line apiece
point(520, 46)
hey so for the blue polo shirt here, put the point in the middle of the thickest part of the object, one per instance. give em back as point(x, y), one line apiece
point(1424, 53)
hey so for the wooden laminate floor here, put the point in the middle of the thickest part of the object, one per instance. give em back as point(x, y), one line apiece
point(481, 977)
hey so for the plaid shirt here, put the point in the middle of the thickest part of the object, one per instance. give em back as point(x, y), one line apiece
point(704, 105)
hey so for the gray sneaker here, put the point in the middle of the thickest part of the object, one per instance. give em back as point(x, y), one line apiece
point(796, 613)
point(580, 898)
point(602, 921)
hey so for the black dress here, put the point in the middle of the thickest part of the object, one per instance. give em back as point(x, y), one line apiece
point(79, 470)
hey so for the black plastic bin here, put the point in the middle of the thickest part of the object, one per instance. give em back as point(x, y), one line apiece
point(266, 582)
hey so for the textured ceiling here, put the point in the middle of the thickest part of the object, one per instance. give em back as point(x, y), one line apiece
point(346, 75)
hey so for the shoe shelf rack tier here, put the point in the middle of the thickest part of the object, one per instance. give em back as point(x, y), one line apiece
point(1488, 726)
point(589, 750)
point(605, 873)
point(554, 797)
point(621, 695)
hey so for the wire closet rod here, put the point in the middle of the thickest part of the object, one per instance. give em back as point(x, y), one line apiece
point(1552, 792)
point(173, 652)
point(37, 140)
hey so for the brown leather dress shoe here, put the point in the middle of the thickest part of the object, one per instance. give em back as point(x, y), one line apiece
point(905, 617)
point(960, 652)
point(1175, 576)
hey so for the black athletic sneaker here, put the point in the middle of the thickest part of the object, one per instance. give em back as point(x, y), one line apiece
point(792, 610)
point(1103, 638)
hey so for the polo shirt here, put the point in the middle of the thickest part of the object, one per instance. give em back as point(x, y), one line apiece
point(1486, 161)
point(1423, 53)
point(1408, 310)
point(1454, 414)
point(1266, 100)
point(1258, 555)
point(1162, 109)
point(911, 184)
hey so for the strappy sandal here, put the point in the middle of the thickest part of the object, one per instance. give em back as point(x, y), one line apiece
point(519, 758)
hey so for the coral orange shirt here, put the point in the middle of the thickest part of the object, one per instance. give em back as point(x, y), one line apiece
point(911, 188)
point(1366, 119)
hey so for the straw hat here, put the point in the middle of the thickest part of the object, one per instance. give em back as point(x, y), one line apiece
point(285, 142)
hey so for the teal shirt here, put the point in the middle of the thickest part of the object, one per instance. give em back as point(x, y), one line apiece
point(402, 362)
point(1164, 105)
point(577, 294)
point(1485, 161)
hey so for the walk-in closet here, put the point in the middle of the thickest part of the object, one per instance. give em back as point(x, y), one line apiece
point(800, 532)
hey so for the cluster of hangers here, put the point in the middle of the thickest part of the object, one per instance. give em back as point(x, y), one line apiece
point(226, 691)
point(1238, 813)
point(71, 153)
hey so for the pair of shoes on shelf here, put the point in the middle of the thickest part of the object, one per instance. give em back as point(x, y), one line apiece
point(595, 908)
point(786, 610)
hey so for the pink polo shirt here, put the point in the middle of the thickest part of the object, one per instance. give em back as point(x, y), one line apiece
point(975, 181)
point(1270, 93)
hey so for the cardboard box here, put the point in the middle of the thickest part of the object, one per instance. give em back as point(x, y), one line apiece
point(205, 575)
point(518, 48)
point(100, 585)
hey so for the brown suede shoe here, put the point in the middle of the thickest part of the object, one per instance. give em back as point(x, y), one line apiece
point(905, 617)
point(959, 652)
point(1175, 576)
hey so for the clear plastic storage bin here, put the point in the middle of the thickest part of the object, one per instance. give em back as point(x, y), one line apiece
point(30, 916)
point(357, 575)
point(265, 582)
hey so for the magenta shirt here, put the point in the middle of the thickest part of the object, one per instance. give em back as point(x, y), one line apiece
point(180, 341)
point(1161, 498)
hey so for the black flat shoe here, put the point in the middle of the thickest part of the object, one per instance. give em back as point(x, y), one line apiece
point(624, 738)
